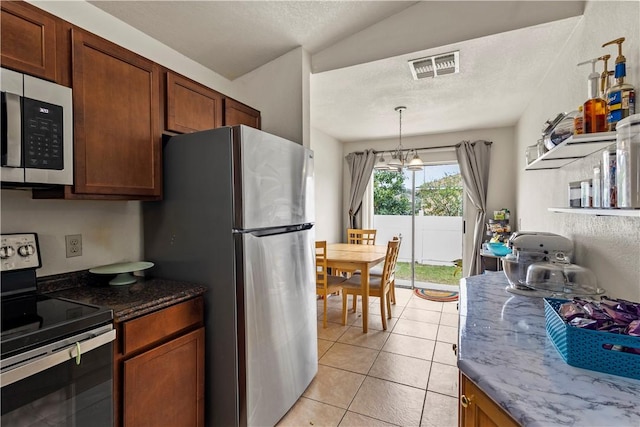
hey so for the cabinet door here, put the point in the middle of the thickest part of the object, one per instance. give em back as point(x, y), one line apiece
point(116, 114)
point(236, 113)
point(28, 40)
point(190, 106)
point(478, 410)
point(165, 386)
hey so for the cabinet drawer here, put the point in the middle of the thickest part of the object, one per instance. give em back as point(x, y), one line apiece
point(163, 324)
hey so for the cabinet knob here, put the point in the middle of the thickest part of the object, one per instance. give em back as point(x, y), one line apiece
point(465, 401)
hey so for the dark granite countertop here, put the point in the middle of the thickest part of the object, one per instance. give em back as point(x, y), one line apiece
point(127, 301)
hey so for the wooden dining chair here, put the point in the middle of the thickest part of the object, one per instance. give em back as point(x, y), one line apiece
point(379, 286)
point(326, 284)
point(377, 271)
point(359, 236)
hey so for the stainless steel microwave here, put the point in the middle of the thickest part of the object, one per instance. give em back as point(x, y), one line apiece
point(37, 131)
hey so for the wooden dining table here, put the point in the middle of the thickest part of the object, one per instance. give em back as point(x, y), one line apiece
point(345, 256)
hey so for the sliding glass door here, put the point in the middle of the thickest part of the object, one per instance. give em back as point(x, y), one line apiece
point(424, 208)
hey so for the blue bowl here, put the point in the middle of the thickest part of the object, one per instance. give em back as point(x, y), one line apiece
point(498, 249)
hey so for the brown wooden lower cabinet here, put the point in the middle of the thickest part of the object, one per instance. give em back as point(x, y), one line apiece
point(159, 368)
point(479, 410)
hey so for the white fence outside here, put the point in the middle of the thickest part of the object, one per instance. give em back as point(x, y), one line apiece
point(439, 238)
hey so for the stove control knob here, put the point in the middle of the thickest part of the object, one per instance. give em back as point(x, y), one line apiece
point(26, 250)
point(7, 252)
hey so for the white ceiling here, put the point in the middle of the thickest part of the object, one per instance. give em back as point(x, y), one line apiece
point(360, 51)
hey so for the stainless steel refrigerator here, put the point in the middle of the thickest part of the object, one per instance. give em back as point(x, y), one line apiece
point(237, 216)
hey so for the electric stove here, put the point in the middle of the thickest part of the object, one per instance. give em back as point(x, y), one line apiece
point(30, 319)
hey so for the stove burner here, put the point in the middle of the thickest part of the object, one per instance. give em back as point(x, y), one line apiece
point(29, 319)
point(32, 320)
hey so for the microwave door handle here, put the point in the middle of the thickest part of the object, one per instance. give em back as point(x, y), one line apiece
point(14, 130)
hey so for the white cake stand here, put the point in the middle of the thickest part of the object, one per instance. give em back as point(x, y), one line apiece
point(123, 271)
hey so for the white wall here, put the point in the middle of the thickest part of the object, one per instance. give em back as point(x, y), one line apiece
point(610, 246)
point(306, 98)
point(280, 90)
point(328, 182)
point(502, 185)
point(111, 231)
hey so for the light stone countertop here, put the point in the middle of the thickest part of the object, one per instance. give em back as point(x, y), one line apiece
point(504, 349)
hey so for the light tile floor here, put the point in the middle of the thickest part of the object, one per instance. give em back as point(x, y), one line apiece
point(404, 376)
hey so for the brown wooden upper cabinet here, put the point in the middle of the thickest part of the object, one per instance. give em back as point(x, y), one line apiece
point(236, 113)
point(118, 101)
point(117, 120)
point(191, 106)
point(28, 37)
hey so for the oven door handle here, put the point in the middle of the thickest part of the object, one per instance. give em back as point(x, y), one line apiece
point(65, 354)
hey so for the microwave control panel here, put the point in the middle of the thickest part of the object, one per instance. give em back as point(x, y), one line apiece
point(42, 135)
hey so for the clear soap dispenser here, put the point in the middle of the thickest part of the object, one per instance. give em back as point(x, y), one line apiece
point(621, 96)
point(595, 108)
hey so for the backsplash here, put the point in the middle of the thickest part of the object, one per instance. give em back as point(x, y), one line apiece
point(111, 230)
point(610, 246)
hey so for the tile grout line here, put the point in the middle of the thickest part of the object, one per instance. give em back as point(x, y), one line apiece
point(424, 402)
point(360, 387)
point(390, 331)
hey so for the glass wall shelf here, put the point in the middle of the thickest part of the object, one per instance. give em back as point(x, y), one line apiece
point(599, 211)
point(571, 149)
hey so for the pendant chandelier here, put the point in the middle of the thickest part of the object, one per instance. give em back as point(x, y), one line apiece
point(400, 156)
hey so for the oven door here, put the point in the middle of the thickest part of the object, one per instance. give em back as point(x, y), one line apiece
point(67, 383)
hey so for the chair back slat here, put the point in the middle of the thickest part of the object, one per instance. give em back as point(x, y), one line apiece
point(390, 261)
point(359, 236)
point(321, 263)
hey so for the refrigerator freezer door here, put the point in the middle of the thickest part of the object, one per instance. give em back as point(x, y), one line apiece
point(280, 315)
point(275, 185)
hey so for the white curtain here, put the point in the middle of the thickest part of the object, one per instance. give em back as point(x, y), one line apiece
point(367, 206)
point(474, 160)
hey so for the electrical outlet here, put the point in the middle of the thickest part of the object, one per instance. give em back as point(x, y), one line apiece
point(73, 245)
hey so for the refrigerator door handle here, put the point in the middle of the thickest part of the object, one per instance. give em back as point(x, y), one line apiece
point(272, 231)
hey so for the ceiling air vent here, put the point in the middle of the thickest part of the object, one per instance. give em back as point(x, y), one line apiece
point(433, 66)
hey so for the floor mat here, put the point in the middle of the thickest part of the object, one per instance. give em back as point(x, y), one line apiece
point(436, 295)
